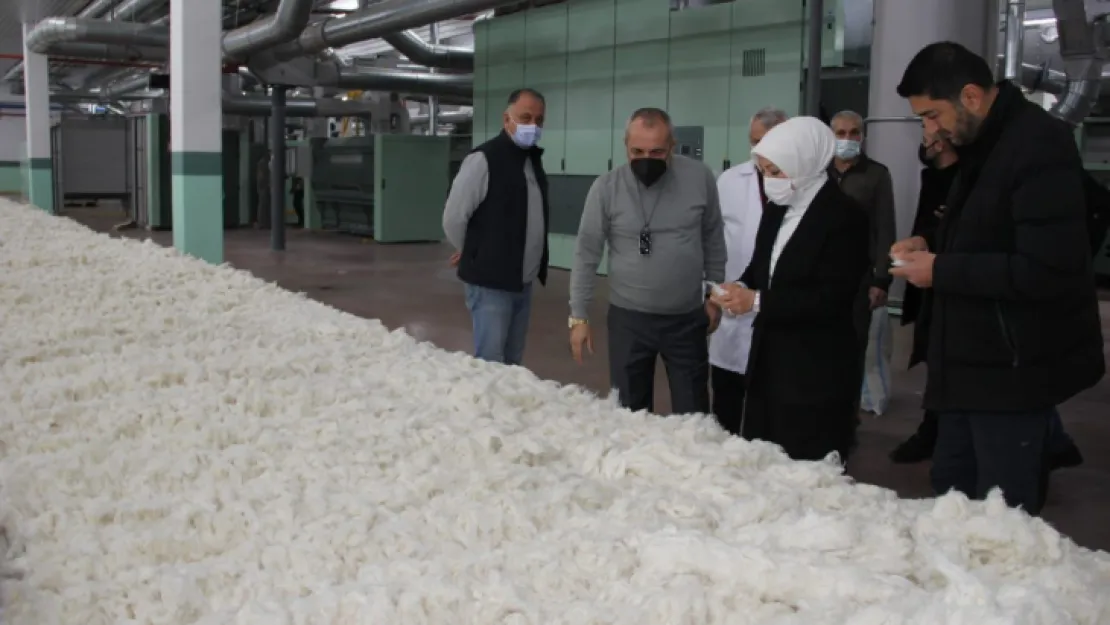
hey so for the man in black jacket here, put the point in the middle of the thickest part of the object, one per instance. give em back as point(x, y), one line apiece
point(496, 217)
point(1012, 316)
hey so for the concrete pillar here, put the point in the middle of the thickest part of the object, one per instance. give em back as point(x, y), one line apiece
point(39, 166)
point(901, 29)
point(196, 129)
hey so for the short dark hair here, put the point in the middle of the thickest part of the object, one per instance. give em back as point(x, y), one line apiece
point(941, 70)
point(515, 95)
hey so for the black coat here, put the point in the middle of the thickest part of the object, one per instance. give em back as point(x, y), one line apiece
point(804, 364)
point(1014, 322)
point(935, 185)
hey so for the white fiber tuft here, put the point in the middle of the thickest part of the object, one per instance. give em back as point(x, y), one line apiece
point(183, 444)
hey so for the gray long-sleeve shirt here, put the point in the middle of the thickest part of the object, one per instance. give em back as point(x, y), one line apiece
point(469, 190)
point(683, 214)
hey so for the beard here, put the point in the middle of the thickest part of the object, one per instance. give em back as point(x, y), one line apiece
point(967, 128)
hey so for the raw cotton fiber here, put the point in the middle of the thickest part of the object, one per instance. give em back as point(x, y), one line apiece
point(182, 444)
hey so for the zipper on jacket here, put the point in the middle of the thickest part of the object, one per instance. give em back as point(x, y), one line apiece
point(1009, 338)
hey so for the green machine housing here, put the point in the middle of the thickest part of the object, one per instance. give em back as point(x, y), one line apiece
point(388, 187)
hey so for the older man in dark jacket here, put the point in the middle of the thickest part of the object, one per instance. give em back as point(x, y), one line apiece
point(1013, 320)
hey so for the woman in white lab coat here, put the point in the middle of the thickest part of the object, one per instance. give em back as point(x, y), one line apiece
point(811, 252)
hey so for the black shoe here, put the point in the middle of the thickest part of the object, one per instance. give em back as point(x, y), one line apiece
point(913, 450)
point(1065, 458)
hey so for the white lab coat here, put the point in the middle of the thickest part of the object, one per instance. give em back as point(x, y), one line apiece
point(741, 209)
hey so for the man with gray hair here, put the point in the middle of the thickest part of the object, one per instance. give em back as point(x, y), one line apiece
point(660, 216)
point(742, 199)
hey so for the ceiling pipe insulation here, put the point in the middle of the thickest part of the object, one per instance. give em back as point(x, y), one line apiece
point(1082, 49)
point(381, 79)
point(96, 9)
point(378, 20)
point(1014, 42)
point(261, 106)
point(428, 54)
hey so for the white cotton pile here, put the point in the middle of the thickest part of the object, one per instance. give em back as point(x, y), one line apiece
point(186, 445)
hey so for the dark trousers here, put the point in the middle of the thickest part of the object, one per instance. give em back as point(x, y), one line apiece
point(728, 398)
point(977, 452)
point(636, 339)
point(1059, 441)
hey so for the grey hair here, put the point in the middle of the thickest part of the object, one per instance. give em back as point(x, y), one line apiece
point(769, 117)
point(851, 116)
point(650, 116)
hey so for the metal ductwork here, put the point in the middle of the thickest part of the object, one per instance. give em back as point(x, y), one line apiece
point(380, 79)
point(117, 90)
point(283, 25)
point(110, 52)
point(1014, 43)
point(378, 20)
point(427, 54)
point(262, 106)
point(1083, 52)
point(453, 117)
point(94, 10)
point(132, 10)
point(55, 30)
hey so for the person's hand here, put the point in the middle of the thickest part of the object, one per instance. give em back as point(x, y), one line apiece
point(713, 311)
point(736, 299)
point(917, 268)
point(906, 246)
point(454, 261)
point(877, 297)
point(581, 340)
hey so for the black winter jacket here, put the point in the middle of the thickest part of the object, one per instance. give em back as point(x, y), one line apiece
point(1013, 324)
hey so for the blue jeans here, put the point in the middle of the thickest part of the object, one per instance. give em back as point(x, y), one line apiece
point(500, 320)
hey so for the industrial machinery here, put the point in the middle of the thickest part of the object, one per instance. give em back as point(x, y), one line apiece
point(389, 187)
point(90, 156)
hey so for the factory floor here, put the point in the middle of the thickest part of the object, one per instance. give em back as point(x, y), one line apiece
point(412, 287)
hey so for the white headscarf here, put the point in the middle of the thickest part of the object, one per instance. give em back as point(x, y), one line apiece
point(802, 147)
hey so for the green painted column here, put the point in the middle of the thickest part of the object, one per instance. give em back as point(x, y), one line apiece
point(39, 170)
point(40, 183)
point(198, 204)
point(245, 166)
point(154, 155)
point(196, 129)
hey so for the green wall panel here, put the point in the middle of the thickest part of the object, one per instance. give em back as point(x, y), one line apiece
point(642, 51)
point(408, 201)
point(505, 45)
point(770, 26)
point(479, 130)
point(698, 76)
point(592, 26)
point(545, 69)
point(10, 178)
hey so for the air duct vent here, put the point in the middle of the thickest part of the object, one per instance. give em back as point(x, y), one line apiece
point(754, 62)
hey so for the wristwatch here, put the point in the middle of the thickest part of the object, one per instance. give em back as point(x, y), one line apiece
point(755, 303)
point(575, 321)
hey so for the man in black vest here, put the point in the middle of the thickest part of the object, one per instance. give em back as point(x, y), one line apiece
point(496, 216)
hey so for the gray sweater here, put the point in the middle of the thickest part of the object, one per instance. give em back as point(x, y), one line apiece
point(469, 190)
point(687, 240)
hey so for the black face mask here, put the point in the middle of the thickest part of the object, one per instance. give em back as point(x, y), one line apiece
point(648, 170)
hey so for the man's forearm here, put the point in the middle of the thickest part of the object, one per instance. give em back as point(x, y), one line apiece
point(582, 278)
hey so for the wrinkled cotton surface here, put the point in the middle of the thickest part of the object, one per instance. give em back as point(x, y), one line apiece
point(184, 444)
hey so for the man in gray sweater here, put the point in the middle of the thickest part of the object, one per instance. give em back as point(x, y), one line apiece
point(661, 218)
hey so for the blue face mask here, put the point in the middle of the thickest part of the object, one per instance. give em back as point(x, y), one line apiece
point(847, 149)
point(527, 135)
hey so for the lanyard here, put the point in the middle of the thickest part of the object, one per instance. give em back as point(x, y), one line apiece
point(646, 216)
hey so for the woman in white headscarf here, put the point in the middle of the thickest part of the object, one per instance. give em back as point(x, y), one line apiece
point(811, 252)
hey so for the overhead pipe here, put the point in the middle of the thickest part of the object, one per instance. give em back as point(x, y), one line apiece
point(85, 61)
point(1014, 43)
point(129, 11)
point(452, 117)
point(378, 20)
point(55, 30)
point(262, 106)
point(430, 54)
point(381, 79)
point(286, 23)
point(96, 9)
point(116, 90)
point(1083, 51)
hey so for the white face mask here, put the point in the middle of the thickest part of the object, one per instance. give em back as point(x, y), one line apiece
point(778, 190)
